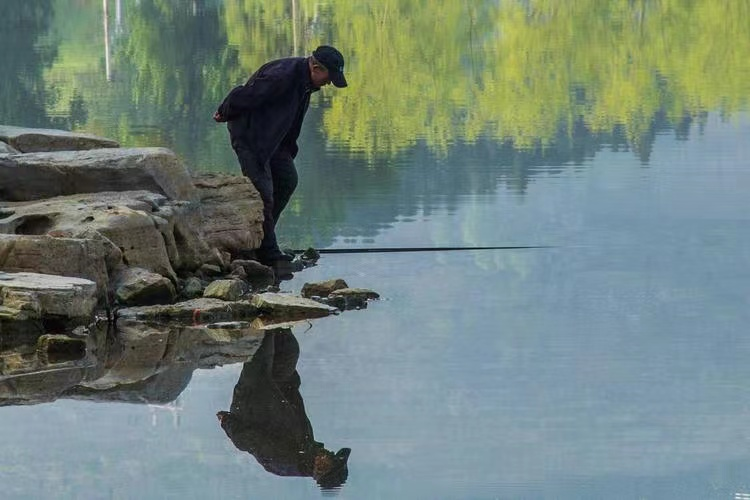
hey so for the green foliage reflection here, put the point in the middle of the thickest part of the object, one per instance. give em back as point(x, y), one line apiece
point(438, 72)
point(451, 71)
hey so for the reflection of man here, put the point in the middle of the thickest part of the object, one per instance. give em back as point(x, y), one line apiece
point(268, 419)
point(265, 118)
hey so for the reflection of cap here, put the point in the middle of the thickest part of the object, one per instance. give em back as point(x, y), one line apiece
point(338, 472)
point(334, 63)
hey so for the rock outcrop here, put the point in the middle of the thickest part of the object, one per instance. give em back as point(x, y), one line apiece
point(87, 226)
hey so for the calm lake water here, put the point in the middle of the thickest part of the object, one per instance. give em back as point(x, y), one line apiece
point(612, 365)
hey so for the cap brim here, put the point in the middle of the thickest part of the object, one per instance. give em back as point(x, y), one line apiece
point(337, 79)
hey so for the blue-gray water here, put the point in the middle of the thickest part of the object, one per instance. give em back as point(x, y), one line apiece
point(613, 365)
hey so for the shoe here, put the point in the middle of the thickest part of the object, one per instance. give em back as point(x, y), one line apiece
point(275, 258)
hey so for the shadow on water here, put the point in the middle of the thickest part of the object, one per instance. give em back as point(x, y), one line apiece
point(267, 417)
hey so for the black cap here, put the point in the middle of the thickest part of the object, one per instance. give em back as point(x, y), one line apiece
point(333, 62)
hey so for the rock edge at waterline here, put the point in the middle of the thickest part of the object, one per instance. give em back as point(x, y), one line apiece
point(138, 228)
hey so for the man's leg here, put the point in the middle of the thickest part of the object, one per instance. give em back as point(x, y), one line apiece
point(284, 176)
point(260, 175)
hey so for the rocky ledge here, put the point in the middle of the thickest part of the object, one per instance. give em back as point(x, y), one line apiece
point(92, 234)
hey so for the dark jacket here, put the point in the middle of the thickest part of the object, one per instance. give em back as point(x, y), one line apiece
point(265, 114)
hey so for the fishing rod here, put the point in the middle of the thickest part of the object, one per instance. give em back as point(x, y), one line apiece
point(418, 249)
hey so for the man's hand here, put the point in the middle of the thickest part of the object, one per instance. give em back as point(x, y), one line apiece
point(218, 117)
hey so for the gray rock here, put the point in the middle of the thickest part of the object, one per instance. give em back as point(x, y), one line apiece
point(232, 212)
point(29, 140)
point(201, 310)
point(310, 255)
point(230, 290)
point(322, 288)
point(138, 287)
point(44, 296)
point(46, 175)
point(290, 307)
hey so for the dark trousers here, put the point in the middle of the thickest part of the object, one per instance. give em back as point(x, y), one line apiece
point(275, 180)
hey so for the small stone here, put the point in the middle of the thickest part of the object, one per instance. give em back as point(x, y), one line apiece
point(192, 288)
point(229, 290)
point(322, 288)
point(363, 293)
point(311, 255)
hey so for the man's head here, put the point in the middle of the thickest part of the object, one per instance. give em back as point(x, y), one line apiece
point(327, 66)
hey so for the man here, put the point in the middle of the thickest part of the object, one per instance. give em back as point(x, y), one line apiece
point(264, 120)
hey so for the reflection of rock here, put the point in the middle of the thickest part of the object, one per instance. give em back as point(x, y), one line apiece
point(39, 387)
point(29, 140)
point(138, 362)
point(159, 388)
point(47, 175)
point(322, 288)
point(290, 307)
point(39, 368)
point(54, 349)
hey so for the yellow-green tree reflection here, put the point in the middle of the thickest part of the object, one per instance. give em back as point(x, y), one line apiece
point(437, 71)
point(451, 71)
